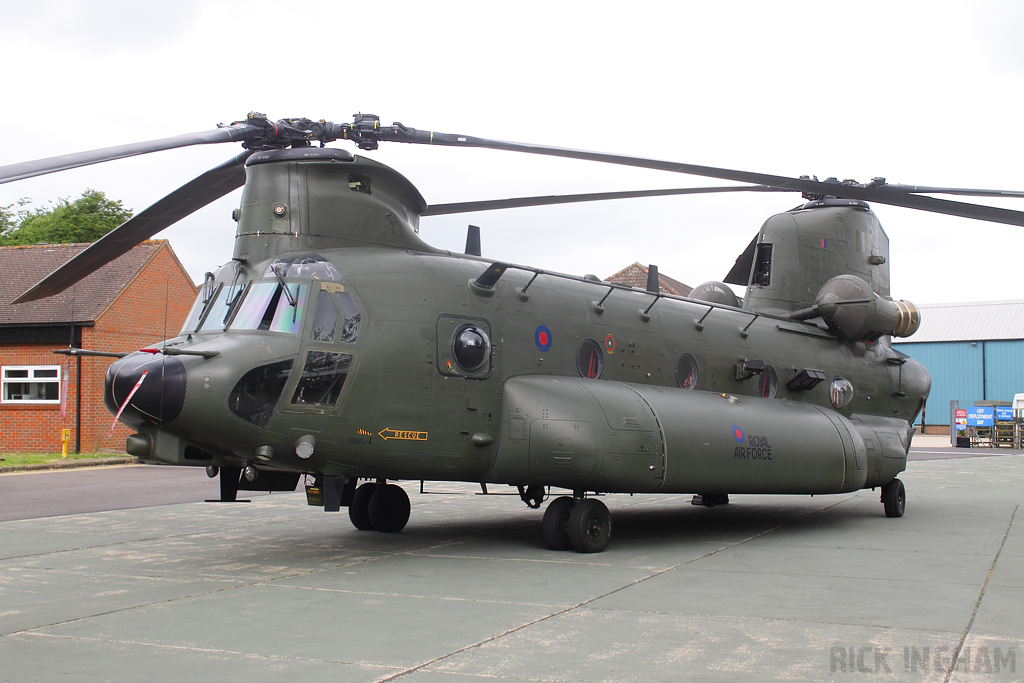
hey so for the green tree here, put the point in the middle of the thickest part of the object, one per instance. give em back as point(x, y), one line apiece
point(12, 215)
point(85, 219)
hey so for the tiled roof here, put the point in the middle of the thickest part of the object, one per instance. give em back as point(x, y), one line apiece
point(636, 276)
point(22, 267)
point(979, 321)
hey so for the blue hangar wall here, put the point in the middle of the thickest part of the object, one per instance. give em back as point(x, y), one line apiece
point(968, 371)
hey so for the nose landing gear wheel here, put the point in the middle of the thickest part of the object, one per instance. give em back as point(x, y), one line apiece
point(590, 526)
point(359, 508)
point(389, 508)
point(894, 498)
point(556, 523)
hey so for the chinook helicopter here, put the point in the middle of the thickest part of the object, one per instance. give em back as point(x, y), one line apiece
point(337, 343)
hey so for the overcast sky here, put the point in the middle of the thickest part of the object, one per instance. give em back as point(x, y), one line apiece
point(927, 93)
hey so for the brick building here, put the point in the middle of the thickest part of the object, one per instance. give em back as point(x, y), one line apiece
point(136, 300)
point(636, 276)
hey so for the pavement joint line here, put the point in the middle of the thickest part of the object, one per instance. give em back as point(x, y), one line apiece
point(977, 605)
point(798, 620)
point(842, 576)
point(571, 608)
point(208, 650)
point(534, 560)
point(415, 596)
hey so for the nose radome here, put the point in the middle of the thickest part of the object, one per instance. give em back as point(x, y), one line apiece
point(160, 396)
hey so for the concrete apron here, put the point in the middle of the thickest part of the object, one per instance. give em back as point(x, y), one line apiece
point(766, 588)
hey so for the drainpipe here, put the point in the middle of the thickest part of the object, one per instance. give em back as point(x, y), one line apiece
point(984, 374)
point(78, 405)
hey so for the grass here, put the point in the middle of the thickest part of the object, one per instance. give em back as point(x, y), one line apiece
point(15, 459)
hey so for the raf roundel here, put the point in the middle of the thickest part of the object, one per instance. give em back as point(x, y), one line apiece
point(737, 433)
point(542, 336)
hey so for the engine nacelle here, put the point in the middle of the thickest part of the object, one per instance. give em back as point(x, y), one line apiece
point(854, 312)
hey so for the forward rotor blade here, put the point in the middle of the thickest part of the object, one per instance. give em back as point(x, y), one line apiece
point(187, 199)
point(29, 169)
point(518, 202)
point(399, 133)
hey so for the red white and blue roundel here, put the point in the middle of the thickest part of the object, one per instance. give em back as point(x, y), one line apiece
point(542, 337)
point(737, 433)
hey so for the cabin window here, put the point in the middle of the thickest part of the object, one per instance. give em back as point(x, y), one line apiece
point(270, 308)
point(841, 392)
point(471, 348)
point(254, 396)
point(323, 377)
point(463, 345)
point(768, 382)
point(590, 359)
point(31, 384)
point(686, 372)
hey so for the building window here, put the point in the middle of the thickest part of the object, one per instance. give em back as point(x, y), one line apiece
point(31, 384)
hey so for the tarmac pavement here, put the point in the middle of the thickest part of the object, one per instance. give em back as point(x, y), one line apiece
point(766, 588)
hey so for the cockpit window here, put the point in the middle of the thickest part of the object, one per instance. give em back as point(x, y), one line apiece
point(254, 395)
point(269, 307)
point(323, 377)
point(310, 267)
point(193, 316)
point(219, 310)
point(349, 330)
point(326, 318)
point(325, 322)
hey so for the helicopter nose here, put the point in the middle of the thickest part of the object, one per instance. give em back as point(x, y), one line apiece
point(158, 383)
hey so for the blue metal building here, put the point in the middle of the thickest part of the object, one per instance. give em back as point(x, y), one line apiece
point(974, 352)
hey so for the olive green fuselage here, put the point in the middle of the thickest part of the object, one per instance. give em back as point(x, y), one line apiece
point(580, 385)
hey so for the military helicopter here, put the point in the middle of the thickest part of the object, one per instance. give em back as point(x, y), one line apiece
point(338, 344)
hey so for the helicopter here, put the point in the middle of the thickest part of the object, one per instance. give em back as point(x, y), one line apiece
point(338, 344)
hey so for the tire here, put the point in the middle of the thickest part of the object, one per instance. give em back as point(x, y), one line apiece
point(556, 523)
point(894, 498)
point(389, 508)
point(359, 508)
point(590, 526)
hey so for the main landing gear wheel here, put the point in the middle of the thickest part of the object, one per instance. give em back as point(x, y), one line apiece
point(389, 508)
point(894, 498)
point(556, 523)
point(359, 508)
point(590, 526)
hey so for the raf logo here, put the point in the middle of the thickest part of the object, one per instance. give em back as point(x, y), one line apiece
point(756, 448)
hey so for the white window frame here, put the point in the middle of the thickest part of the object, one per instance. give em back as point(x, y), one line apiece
point(5, 380)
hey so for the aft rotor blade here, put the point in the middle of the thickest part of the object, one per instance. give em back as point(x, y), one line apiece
point(518, 202)
point(187, 199)
point(962, 191)
point(29, 169)
point(399, 133)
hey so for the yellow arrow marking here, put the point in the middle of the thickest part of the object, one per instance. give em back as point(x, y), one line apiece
point(402, 435)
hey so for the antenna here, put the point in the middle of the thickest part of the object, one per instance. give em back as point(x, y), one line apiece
point(473, 241)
